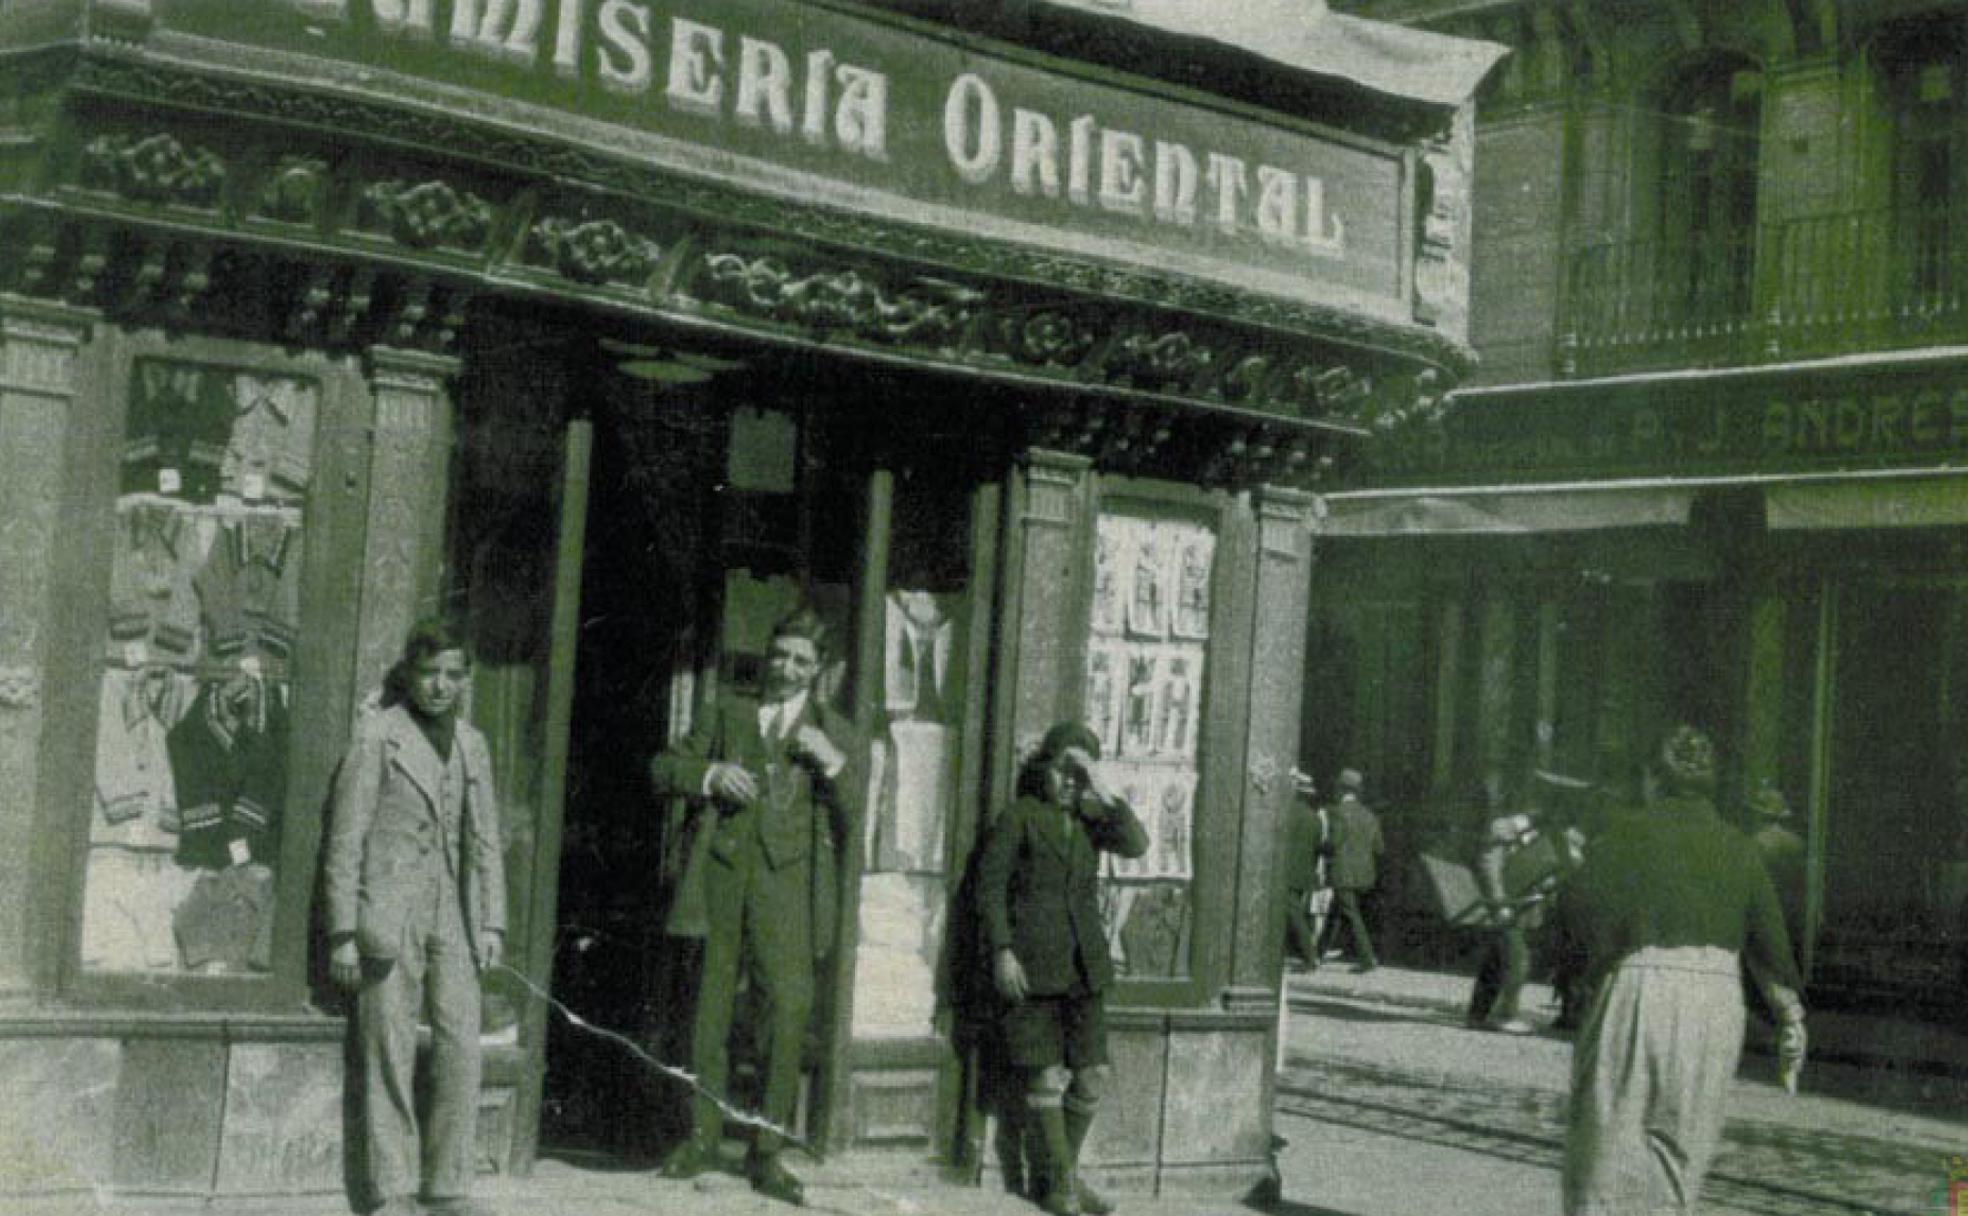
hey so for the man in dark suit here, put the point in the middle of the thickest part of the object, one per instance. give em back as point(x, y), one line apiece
point(1356, 849)
point(416, 896)
point(1037, 887)
point(1305, 847)
point(776, 787)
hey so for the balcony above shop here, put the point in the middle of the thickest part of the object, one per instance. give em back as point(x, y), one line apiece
point(1847, 283)
point(1825, 286)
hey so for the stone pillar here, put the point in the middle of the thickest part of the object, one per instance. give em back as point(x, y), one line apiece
point(1280, 595)
point(39, 353)
point(1050, 621)
point(409, 475)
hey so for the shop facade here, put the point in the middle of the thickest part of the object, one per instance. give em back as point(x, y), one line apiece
point(1770, 554)
point(618, 329)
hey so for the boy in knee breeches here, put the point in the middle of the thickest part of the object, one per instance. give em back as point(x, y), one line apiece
point(1037, 884)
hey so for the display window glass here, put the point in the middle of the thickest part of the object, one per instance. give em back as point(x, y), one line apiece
point(1149, 638)
point(914, 761)
point(192, 737)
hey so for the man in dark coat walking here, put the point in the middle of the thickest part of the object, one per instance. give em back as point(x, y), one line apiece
point(1356, 850)
point(775, 785)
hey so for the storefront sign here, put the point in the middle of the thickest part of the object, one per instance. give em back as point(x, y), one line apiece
point(1777, 423)
point(887, 119)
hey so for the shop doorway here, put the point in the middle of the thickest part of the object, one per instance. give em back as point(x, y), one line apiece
point(1895, 825)
point(641, 650)
point(629, 523)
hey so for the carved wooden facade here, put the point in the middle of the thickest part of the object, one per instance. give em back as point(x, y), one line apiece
point(403, 244)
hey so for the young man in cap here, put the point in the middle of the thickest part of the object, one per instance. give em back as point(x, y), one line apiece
point(1038, 878)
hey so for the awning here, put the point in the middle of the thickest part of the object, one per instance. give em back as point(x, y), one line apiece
point(1504, 514)
point(1434, 68)
point(1937, 502)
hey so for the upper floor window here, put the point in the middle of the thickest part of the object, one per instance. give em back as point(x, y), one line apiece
point(1928, 91)
point(1710, 120)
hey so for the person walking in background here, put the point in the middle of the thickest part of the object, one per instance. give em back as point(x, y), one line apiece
point(415, 891)
point(1782, 851)
point(1669, 906)
point(1506, 962)
point(1356, 849)
point(1037, 887)
point(1305, 847)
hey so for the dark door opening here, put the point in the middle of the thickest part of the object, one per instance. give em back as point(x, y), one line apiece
point(640, 645)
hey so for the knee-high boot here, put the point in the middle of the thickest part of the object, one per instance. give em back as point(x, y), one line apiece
point(1056, 1185)
point(1078, 1118)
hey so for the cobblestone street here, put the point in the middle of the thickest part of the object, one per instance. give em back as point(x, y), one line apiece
point(1484, 1115)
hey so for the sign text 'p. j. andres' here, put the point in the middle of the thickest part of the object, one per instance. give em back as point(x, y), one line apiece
point(1783, 422)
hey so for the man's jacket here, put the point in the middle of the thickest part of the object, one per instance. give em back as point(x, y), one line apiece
point(805, 818)
point(387, 843)
point(1037, 889)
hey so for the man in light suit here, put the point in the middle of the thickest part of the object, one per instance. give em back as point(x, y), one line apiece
point(775, 786)
point(416, 889)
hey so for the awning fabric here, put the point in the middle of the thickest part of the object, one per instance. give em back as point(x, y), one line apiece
point(1433, 68)
point(1505, 514)
point(1897, 503)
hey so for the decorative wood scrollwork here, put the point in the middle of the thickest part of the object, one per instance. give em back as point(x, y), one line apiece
point(296, 190)
point(923, 311)
point(154, 169)
point(1168, 360)
point(426, 215)
point(595, 251)
point(1050, 337)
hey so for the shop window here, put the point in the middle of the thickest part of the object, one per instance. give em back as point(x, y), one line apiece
point(192, 736)
point(915, 756)
point(1150, 630)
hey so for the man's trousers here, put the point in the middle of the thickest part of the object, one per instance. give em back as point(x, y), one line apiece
point(760, 921)
point(433, 976)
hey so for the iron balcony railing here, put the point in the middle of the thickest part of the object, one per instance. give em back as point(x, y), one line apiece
point(1826, 284)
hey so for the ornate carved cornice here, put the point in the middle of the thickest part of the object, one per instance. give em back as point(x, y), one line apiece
point(154, 168)
point(345, 222)
point(536, 156)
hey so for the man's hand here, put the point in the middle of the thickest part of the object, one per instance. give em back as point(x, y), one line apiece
point(1077, 760)
point(345, 965)
point(1791, 1041)
point(493, 948)
point(1009, 975)
point(811, 744)
point(731, 782)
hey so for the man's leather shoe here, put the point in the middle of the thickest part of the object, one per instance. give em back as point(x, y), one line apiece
point(1092, 1202)
point(693, 1157)
point(775, 1181)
